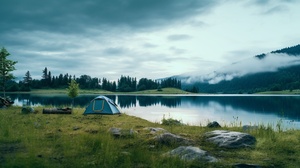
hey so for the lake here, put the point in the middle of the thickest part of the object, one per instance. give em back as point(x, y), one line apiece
point(228, 110)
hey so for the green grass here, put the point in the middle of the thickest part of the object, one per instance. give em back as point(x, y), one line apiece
point(280, 92)
point(163, 91)
point(100, 91)
point(40, 140)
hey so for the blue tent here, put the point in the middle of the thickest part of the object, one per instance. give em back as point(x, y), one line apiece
point(102, 105)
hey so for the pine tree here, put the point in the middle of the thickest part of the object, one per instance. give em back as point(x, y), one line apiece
point(27, 80)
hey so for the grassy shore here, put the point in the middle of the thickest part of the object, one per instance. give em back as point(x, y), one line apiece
point(287, 92)
point(40, 140)
point(154, 91)
point(100, 91)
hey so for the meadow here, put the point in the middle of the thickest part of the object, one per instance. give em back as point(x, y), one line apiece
point(55, 140)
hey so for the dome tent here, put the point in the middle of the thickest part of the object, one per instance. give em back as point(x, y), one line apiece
point(102, 105)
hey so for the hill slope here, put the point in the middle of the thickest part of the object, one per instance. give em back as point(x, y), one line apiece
point(277, 70)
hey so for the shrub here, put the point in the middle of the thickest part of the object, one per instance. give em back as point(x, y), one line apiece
point(170, 121)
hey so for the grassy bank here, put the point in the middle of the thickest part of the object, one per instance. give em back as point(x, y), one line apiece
point(287, 92)
point(40, 140)
point(100, 91)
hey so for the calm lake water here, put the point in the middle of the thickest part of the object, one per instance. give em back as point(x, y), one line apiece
point(193, 110)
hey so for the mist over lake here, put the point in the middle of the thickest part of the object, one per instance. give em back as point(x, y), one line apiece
point(230, 110)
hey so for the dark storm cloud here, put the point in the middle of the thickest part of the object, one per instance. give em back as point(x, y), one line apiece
point(69, 15)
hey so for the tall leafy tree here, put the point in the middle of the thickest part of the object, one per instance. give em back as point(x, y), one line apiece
point(6, 67)
point(73, 90)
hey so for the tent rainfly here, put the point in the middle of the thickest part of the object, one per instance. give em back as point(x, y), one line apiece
point(102, 105)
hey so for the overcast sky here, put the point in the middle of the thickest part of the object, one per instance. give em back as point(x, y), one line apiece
point(142, 38)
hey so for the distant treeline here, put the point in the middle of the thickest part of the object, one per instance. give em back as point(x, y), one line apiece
point(124, 84)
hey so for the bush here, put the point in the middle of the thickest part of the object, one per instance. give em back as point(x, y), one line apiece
point(170, 121)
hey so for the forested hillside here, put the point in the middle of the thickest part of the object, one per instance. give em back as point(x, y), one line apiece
point(285, 78)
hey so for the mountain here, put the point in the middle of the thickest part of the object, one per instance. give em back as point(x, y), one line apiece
point(277, 70)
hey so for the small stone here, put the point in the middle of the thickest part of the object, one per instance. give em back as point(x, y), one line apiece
point(213, 124)
point(171, 139)
point(76, 128)
point(116, 132)
point(155, 130)
point(243, 165)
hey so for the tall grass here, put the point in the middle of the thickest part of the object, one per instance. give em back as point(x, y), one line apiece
point(40, 140)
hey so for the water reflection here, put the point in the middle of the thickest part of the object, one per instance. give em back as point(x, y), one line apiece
point(194, 110)
point(126, 101)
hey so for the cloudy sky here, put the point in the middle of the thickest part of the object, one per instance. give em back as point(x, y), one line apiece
point(142, 38)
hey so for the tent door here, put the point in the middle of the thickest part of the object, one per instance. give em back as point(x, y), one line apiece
point(98, 105)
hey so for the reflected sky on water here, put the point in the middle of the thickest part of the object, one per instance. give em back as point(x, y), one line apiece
point(228, 110)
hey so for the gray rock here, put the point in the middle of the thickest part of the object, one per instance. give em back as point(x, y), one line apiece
point(76, 128)
point(116, 132)
point(155, 130)
point(213, 124)
point(243, 165)
point(190, 153)
point(230, 139)
point(171, 139)
point(27, 110)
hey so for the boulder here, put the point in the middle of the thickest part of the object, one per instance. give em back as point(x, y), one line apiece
point(230, 139)
point(119, 132)
point(27, 110)
point(171, 139)
point(213, 124)
point(190, 153)
point(155, 130)
point(116, 132)
point(243, 165)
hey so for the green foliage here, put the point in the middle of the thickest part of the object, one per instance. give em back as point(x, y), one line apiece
point(126, 84)
point(73, 90)
point(146, 84)
point(6, 67)
point(170, 121)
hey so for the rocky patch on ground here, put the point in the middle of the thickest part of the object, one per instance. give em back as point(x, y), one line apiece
point(191, 153)
point(230, 139)
point(187, 149)
point(172, 139)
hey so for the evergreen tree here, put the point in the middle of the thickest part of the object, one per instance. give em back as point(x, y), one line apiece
point(49, 79)
point(27, 79)
point(45, 78)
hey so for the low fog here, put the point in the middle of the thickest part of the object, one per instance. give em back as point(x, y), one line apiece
point(270, 63)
